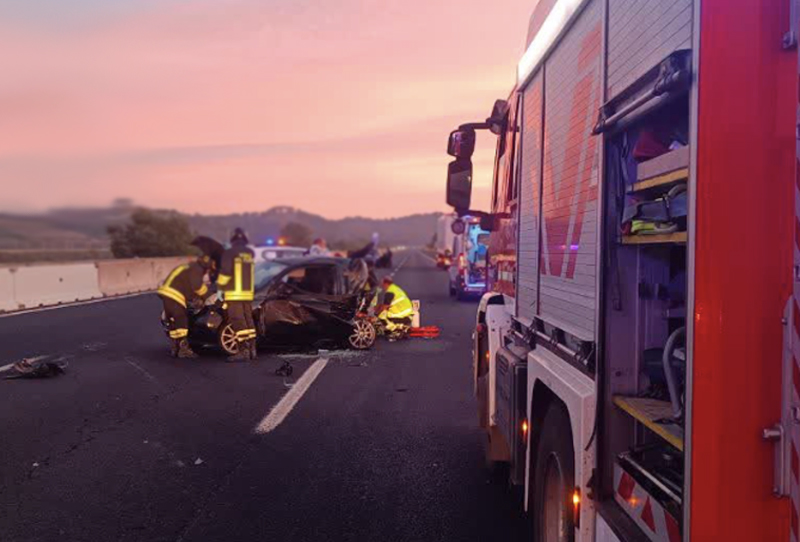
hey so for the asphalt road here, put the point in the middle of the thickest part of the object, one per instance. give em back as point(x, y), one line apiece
point(132, 445)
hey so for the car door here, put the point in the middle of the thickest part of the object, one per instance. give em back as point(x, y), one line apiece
point(298, 306)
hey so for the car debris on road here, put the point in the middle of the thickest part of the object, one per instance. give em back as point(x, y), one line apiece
point(35, 368)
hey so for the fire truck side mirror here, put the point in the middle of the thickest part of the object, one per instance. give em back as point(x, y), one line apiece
point(461, 143)
point(459, 184)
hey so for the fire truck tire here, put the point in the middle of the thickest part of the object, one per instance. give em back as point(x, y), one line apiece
point(553, 479)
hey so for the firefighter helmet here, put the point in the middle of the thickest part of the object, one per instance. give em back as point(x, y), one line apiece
point(239, 236)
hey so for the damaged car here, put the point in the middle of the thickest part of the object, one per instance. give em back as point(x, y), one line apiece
point(300, 304)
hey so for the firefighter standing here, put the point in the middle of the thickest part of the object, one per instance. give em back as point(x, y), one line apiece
point(183, 285)
point(236, 281)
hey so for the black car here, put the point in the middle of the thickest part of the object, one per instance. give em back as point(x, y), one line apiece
point(300, 303)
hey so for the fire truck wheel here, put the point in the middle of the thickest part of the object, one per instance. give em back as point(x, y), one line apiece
point(553, 479)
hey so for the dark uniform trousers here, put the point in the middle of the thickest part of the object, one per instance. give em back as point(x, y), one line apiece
point(177, 318)
point(240, 316)
point(236, 281)
point(184, 283)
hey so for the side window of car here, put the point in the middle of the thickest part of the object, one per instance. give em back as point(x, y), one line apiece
point(314, 279)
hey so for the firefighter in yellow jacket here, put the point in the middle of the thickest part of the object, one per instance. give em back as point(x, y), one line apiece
point(395, 309)
point(236, 281)
point(183, 285)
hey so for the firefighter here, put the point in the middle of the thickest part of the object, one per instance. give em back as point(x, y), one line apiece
point(184, 285)
point(236, 281)
point(395, 309)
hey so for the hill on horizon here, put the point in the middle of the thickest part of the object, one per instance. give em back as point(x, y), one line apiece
point(76, 228)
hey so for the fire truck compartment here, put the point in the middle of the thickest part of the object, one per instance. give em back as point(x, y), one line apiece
point(655, 415)
point(646, 231)
point(648, 486)
point(511, 388)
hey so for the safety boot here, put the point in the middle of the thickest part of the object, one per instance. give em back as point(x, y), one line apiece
point(185, 351)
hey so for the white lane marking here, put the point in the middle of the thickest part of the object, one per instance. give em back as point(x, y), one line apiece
point(68, 305)
point(399, 266)
point(292, 397)
point(10, 365)
point(426, 256)
point(142, 370)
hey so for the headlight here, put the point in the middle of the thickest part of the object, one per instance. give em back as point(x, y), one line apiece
point(214, 320)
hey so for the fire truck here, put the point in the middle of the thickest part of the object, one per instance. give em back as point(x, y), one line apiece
point(636, 356)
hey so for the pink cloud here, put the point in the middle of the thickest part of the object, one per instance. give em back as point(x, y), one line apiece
point(353, 102)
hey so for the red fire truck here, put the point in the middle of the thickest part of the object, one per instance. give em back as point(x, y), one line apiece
point(636, 358)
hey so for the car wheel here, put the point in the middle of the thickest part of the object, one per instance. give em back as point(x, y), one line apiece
point(227, 339)
point(554, 479)
point(363, 335)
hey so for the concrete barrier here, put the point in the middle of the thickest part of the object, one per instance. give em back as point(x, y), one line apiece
point(30, 286)
point(36, 286)
point(119, 277)
point(7, 302)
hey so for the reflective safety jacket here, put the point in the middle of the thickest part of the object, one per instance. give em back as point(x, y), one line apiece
point(236, 278)
point(400, 305)
point(184, 283)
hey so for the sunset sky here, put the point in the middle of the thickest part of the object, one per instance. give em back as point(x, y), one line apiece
point(338, 107)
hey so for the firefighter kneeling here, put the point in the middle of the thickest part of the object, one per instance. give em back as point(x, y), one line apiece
point(183, 285)
point(395, 310)
point(236, 282)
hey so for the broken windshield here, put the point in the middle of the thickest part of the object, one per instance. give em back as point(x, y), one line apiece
point(266, 271)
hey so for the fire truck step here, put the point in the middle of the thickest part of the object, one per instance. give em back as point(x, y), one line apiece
point(648, 412)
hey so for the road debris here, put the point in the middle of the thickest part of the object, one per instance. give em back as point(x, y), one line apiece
point(35, 368)
point(10, 366)
point(198, 461)
point(285, 370)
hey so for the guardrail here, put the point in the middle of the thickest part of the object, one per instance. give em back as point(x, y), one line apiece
point(31, 286)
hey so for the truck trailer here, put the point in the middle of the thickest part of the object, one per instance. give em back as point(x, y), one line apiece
point(636, 355)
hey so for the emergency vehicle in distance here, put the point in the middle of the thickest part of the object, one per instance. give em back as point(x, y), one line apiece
point(444, 241)
point(636, 356)
point(468, 266)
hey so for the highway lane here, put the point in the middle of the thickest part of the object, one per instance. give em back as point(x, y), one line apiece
point(382, 446)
